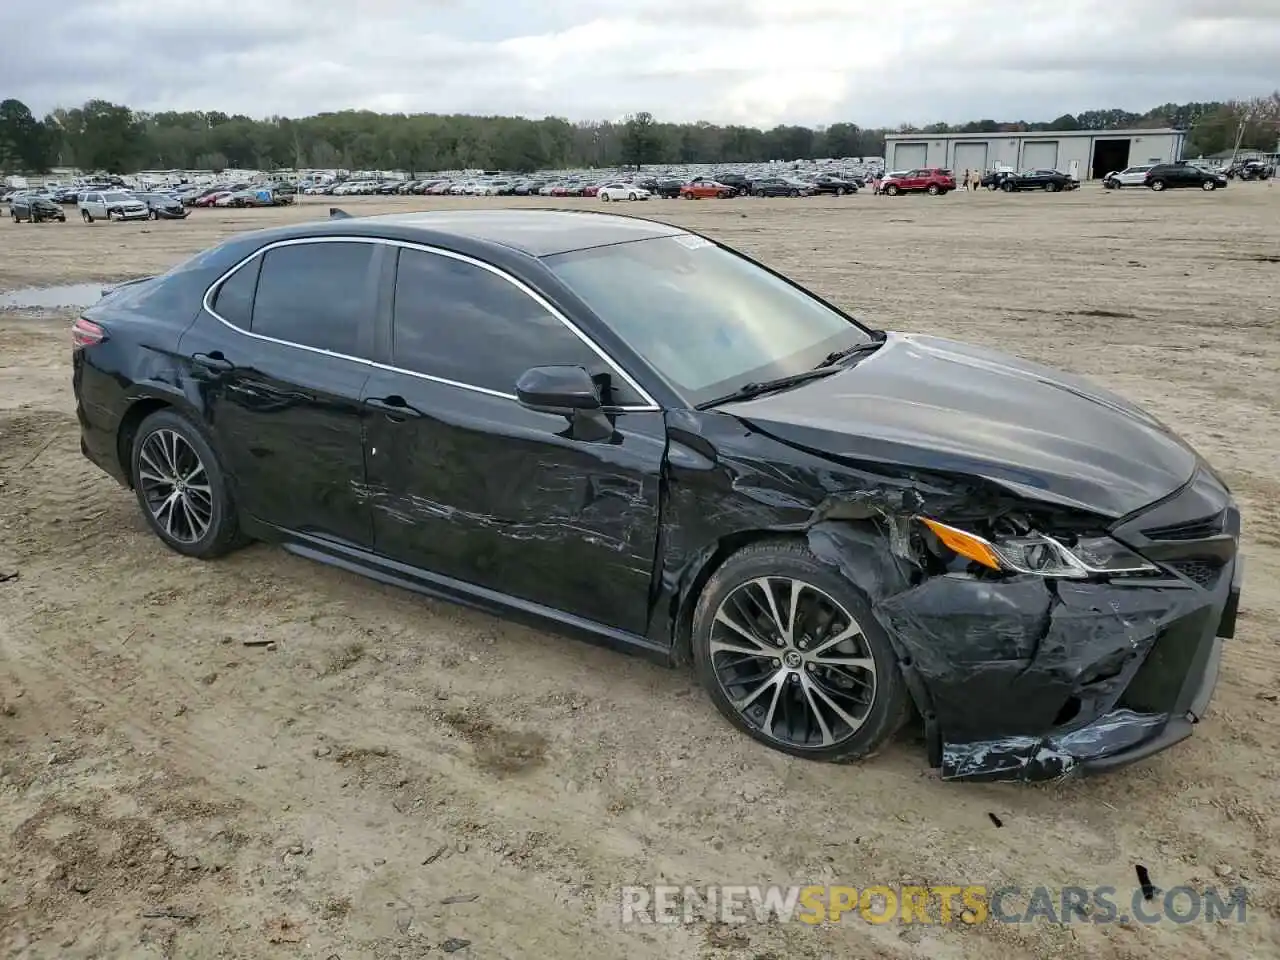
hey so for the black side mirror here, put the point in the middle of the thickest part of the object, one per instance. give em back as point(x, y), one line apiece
point(560, 389)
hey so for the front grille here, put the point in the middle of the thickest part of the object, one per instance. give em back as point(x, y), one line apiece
point(1200, 570)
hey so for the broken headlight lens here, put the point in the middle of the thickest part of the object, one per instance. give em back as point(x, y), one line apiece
point(1043, 555)
point(1088, 557)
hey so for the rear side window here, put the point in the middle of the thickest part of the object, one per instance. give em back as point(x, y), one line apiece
point(234, 300)
point(463, 323)
point(315, 294)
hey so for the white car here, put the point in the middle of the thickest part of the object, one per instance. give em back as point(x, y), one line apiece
point(622, 191)
point(111, 204)
point(1128, 177)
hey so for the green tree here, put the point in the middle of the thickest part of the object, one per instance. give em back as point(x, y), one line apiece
point(25, 142)
point(639, 140)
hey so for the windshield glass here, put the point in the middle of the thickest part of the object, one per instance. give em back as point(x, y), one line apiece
point(706, 319)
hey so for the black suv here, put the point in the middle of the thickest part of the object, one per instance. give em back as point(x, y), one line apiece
point(34, 208)
point(1170, 175)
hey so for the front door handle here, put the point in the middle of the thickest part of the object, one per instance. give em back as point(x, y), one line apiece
point(213, 362)
point(395, 407)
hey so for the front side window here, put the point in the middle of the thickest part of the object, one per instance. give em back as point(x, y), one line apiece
point(706, 319)
point(314, 294)
point(461, 322)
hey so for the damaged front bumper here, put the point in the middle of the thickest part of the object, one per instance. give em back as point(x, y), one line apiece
point(1028, 678)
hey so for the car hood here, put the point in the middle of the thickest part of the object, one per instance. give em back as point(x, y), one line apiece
point(934, 404)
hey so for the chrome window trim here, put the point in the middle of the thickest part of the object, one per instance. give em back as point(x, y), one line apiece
point(651, 405)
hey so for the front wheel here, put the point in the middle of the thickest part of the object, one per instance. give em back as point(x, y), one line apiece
point(605, 197)
point(759, 193)
point(839, 191)
point(789, 652)
point(1157, 185)
point(1208, 186)
point(1007, 187)
point(892, 190)
point(181, 488)
point(631, 196)
point(1051, 187)
point(933, 190)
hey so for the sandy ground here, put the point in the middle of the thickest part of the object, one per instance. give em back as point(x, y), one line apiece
point(325, 797)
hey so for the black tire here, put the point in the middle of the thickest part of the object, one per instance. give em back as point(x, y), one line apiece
point(892, 190)
point(933, 190)
point(1007, 187)
point(223, 532)
point(794, 193)
point(1208, 186)
point(759, 193)
point(1051, 187)
point(890, 705)
point(1157, 185)
point(839, 191)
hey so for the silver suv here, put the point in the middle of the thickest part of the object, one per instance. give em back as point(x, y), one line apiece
point(111, 204)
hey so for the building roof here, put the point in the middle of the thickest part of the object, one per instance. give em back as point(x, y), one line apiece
point(1039, 134)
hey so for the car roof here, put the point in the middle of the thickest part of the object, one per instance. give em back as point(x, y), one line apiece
point(537, 233)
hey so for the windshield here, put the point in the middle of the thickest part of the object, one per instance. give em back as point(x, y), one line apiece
point(707, 320)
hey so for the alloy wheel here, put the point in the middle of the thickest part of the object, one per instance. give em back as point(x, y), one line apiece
point(175, 486)
point(793, 662)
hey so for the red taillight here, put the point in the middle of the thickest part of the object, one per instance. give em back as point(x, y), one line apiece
point(86, 333)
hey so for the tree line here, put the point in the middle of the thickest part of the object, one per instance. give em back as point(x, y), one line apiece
point(110, 137)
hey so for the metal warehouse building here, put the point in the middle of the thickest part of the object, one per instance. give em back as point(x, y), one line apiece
point(1085, 154)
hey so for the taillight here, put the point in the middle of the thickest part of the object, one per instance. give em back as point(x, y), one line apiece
point(86, 333)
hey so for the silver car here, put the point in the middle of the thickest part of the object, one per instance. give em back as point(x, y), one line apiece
point(111, 205)
point(1128, 177)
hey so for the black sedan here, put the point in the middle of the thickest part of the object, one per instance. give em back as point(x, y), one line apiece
point(834, 185)
point(632, 433)
point(163, 206)
point(1050, 180)
point(29, 206)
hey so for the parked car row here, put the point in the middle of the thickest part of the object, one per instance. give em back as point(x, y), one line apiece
point(1166, 176)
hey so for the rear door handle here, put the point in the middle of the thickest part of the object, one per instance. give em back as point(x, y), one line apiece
point(213, 362)
point(394, 406)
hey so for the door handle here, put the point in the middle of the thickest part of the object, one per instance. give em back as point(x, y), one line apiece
point(394, 406)
point(213, 362)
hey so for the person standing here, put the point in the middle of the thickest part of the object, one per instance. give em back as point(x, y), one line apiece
point(968, 179)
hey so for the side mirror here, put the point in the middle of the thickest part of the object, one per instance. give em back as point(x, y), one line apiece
point(559, 389)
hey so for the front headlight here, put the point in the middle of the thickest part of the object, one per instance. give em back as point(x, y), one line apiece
point(1043, 555)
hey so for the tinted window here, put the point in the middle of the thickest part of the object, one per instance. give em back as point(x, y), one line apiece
point(234, 299)
point(315, 294)
point(464, 323)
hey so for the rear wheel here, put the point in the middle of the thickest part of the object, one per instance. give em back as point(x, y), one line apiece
point(839, 191)
point(794, 193)
point(1051, 187)
point(934, 190)
point(789, 652)
point(631, 196)
point(1007, 187)
point(181, 488)
point(759, 193)
point(604, 196)
point(1157, 185)
point(892, 190)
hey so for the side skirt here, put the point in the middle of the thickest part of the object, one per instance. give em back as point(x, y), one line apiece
point(357, 560)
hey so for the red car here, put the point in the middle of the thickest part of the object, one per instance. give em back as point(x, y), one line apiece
point(931, 180)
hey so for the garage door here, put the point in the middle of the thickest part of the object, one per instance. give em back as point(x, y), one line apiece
point(1040, 155)
point(909, 156)
point(969, 156)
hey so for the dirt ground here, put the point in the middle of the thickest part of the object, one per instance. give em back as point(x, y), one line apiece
point(328, 795)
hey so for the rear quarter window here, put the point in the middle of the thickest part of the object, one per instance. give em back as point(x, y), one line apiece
point(233, 301)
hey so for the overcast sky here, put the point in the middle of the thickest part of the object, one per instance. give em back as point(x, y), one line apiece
point(756, 62)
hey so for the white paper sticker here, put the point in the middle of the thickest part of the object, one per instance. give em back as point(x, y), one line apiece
point(693, 243)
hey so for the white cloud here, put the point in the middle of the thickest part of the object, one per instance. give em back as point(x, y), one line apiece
point(759, 62)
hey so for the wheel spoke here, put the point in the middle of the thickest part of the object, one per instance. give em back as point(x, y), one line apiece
point(774, 680)
point(858, 663)
point(807, 686)
point(167, 465)
point(853, 722)
point(790, 632)
point(848, 633)
point(728, 621)
point(765, 587)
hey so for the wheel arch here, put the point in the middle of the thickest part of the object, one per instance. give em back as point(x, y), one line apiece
point(140, 406)
point(856, 549)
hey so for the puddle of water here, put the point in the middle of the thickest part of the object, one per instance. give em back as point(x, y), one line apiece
point(50, 298)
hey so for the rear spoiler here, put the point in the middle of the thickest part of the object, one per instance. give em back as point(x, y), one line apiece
point(127, 283)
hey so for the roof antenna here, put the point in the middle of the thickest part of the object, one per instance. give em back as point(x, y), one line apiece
point(337, 213)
